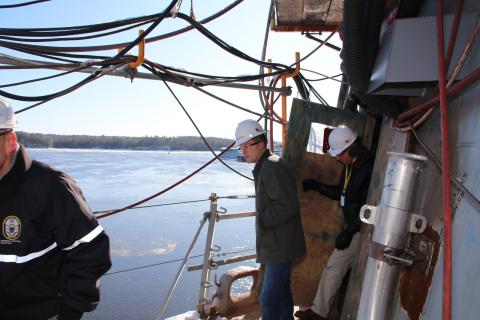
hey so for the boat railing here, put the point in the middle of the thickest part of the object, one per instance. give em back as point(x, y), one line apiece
point(205, 303)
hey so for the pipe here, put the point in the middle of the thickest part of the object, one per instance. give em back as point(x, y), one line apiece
point(447, 210)
point(393, 223)
point(473, 77)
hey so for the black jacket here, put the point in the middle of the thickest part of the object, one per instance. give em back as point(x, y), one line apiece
point(278, 224)
point(357, 189)
point(52, 250)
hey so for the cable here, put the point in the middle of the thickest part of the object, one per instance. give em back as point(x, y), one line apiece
point(319, 46)
point(21, 4)
point(225, 46)
point(122, 45)
point(174, 260)
point(73, 88)
point(201, 135)
point(151, 66)
point(85, 66)
point(325, 77)
point(438, 165)
point(130, 206)
point(235, 197)
point(77, 38)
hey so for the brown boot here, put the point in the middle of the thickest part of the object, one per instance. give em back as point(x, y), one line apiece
point(308, 315)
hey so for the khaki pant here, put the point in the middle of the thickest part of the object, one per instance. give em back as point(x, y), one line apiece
point(337, 266)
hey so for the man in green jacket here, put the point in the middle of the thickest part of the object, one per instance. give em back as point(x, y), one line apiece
point(279, 233)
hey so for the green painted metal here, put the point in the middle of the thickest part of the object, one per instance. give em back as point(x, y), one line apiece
point(302, 114)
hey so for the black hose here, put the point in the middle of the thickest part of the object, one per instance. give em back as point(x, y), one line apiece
point(361, 28)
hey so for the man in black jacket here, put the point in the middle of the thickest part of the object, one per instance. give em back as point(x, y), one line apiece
point(351, 192)
point(52, 249)
point(279, 233)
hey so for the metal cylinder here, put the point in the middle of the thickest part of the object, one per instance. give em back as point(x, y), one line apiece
point(393, 222)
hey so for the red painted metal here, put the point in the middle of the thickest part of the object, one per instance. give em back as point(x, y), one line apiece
point(447, 211)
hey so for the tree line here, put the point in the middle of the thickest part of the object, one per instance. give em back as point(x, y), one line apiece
point(186, 143)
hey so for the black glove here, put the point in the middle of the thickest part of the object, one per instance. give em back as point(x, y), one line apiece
point(310, 184)
point(343, 239)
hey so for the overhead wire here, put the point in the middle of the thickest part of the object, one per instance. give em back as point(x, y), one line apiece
point(201, 135)
point(324, 77)
point(93, 76)
point(122, 45)
point(71, 89)
point(84, 66)
point(152, 67)
point(76, 38)
point(230, 49)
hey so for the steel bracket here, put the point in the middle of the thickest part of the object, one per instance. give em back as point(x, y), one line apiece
point(368, 214)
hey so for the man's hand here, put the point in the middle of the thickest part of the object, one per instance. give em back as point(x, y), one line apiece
point(344, 239)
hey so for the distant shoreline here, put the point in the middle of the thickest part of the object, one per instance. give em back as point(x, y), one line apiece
point(182, 143)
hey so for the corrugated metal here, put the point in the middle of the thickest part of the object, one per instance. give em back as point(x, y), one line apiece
point(464, 112)
point(308, 15)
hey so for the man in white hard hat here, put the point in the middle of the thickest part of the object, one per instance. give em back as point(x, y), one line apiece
point(279, 233)
point(52, 250)
point(351, 192)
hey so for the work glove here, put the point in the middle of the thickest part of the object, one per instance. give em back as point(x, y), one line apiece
point(311, 184)
point(344, 239)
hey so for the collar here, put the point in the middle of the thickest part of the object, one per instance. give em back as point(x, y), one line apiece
point(260, 161)
point(10, 182)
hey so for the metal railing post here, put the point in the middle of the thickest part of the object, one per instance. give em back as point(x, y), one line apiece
point(205, 279)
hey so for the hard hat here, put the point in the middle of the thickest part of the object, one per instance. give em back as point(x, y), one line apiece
point(246, 130)
point(340, 139)
point(7, 117)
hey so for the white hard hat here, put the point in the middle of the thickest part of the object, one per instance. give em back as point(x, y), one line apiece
point(246, 130)
point(7, 117)
point(340, 139)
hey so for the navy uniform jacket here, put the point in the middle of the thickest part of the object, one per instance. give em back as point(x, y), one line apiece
point(52, 249)
point(278, 224)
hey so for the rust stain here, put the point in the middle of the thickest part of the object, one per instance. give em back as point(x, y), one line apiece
point(416, 280)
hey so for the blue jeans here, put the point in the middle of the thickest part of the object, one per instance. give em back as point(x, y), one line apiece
point(276, 296)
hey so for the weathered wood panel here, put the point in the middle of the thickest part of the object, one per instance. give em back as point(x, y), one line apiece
point(321, 218)
point(308, 15)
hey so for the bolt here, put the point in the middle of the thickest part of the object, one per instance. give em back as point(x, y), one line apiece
point(419, 224)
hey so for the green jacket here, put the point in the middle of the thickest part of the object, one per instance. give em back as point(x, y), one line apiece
point(278, 224)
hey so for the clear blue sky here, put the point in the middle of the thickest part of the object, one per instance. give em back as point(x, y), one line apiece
point(115, 106)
